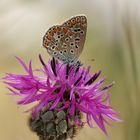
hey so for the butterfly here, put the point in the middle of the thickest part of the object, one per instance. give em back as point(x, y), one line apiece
point(66, 41)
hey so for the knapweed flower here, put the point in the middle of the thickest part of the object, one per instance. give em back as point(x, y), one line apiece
point(62, 93)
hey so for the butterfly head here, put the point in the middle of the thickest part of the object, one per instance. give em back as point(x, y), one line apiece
point(73, 62)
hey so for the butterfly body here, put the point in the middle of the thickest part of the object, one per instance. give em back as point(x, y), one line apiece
point(65, 42)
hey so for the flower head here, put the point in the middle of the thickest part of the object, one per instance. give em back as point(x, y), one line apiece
point(74, 87)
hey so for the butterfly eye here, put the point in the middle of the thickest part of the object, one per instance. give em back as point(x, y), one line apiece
point(58, 36)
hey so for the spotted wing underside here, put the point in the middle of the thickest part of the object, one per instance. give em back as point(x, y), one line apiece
point(66, 41)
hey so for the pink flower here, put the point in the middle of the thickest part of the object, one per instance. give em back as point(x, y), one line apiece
point(74, 87)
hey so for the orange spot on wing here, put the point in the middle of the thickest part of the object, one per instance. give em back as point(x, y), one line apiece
point(70, 33)
point(49, 37)
point(73, 21)
point(65, 30)
point(78, 19)
point(69, 24)
point(51, 33)
point(54, 29)
point(83, 22)
point(46, 43)
point(58, 29)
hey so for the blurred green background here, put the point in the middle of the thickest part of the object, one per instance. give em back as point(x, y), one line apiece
point(113, 40)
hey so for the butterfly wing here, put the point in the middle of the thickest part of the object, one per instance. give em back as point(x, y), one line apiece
point(66, 41)
point(77, 27)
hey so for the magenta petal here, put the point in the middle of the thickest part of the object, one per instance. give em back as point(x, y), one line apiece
point(22, 63)
point(38, 107)
point(30, 69)
point(72, 109)
point(113, 118)
point(82, 108)
point(89, 120)
point(100, 123)
point(28, 99)
point(13, 92)
point(75, 88)
point(55, 103)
